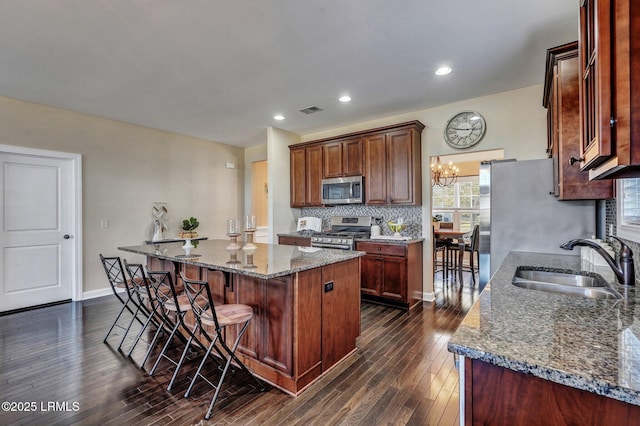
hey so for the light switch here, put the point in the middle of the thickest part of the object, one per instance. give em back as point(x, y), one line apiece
point(230, 165)
point(104, 223)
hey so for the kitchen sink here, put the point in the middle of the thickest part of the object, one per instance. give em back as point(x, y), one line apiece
point(584, 284)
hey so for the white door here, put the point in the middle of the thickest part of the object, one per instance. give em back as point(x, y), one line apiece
point(37, 213)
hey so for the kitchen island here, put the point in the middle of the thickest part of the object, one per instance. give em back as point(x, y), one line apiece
point(533, 357)
point(306, 302)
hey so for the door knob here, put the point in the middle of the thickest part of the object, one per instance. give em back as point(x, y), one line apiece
point(66, 236)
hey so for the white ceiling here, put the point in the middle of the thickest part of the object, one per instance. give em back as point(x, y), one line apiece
point(220, 70)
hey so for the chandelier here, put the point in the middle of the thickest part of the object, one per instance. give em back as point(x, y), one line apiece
point(443, 175)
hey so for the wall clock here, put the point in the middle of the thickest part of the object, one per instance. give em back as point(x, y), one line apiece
point(464, 130)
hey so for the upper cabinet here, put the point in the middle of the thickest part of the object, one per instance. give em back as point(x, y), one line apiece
point(343, 158)
point(561, 98)
point(306, 176)
point(388, 157)
point(609, 58)
point(393, 174)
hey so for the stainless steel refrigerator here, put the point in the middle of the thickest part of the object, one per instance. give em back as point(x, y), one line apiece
point(517, 212)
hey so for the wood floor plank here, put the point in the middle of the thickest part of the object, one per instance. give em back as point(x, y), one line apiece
point(401, 373)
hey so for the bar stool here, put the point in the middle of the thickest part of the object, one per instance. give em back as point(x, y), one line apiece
point(208, 315)
point(172, 307)
point(141, 292)
point(115, 275)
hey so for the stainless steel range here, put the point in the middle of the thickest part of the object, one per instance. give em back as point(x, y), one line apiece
point(343, 233)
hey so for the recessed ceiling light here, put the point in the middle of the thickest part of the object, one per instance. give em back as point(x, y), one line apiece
point(443, 71)
point(345, 98)
point(278, 117)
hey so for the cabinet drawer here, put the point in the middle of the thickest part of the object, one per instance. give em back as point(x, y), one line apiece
point(294, 241)
point(381, 248)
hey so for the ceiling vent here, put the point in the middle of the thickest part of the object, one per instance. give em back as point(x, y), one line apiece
point(311, 110)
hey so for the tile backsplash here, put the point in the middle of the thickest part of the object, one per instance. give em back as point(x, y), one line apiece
point(412, 215)
point(611, 218)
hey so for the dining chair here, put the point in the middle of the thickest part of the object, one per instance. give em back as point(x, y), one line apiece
point(470, 244)
point(118, 282)
point(446, 225)
point(211, 320)
point(439, 246)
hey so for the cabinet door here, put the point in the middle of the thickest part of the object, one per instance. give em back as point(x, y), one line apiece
point(340, 311)
point(314, 176)
point(375, 159)
point(371, 269)
point(277, 324)
point(332, 153)
point(573, 183)
point(596, 85)
point(401, 172)
point(298, 177)
point(352, 157)
point(394, 282)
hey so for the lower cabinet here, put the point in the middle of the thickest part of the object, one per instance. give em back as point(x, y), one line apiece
point(391, 273)
point(498, 396)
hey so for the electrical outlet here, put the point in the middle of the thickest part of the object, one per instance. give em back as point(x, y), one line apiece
point(328, 287)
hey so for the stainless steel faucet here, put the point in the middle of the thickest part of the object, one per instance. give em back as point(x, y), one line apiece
point(623, 268)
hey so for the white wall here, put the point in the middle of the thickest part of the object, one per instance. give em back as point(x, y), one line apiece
point(516, 122)
point(281, 216)
point(125, 169)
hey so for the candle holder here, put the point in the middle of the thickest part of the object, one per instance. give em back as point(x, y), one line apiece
point(233, 232)
point(249, 231)
point(233, 258)
point(249, 252)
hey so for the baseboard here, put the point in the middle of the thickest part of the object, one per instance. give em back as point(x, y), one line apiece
point(96, 293)
point(429, 297)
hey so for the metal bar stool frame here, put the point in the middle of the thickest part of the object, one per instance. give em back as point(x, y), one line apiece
point(115, 274)
point(204, 310)
point(178, 308)
point(142, 292)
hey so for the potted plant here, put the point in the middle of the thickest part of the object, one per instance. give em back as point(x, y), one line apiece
point(189, 228)
point(435, 221)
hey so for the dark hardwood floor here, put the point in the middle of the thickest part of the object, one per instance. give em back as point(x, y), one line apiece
point(401, 374)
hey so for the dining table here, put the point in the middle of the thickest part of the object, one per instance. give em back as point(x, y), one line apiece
point(454, 234)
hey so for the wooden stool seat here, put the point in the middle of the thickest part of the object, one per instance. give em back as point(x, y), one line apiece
point(183, 304)
point(231, 314)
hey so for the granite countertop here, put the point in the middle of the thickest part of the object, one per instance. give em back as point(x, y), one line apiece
point(587, 344)
point(268, 261)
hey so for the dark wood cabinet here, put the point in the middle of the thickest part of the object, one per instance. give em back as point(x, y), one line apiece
point(290, 240)
point(393, 174)
point(519, 399)
point(389, 158)
point(609, 58)
point(561, 98)
point(343, 158)
point(306, 176)
point(391, 273)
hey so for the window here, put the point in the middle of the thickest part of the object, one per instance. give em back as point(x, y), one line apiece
point(628, 206)
point(458, 203)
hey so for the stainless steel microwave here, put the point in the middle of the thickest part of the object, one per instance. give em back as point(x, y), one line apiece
point(346, 190)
